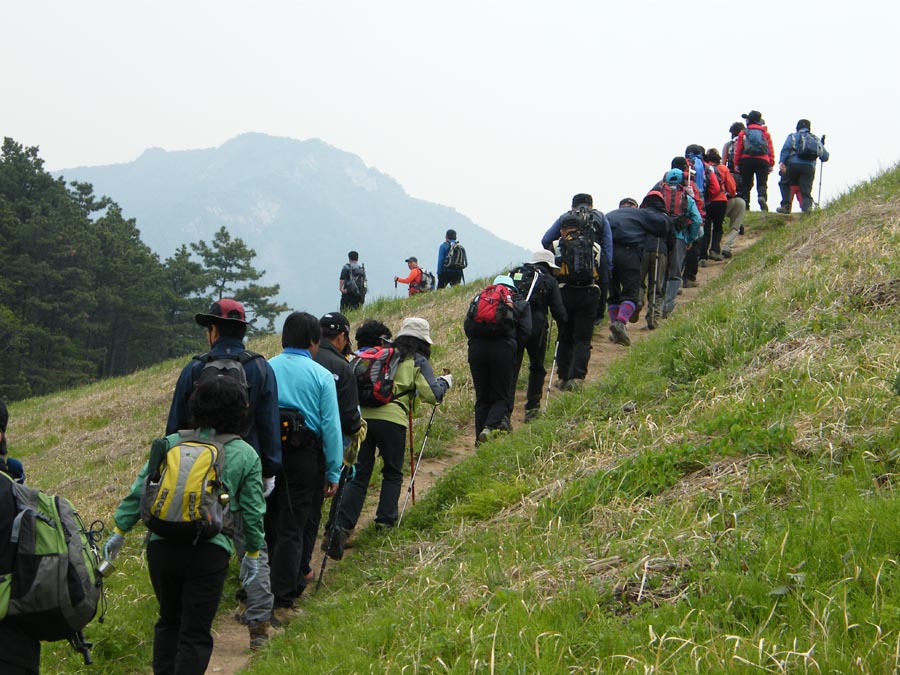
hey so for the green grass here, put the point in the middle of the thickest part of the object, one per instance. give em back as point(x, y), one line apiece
point(723, 500)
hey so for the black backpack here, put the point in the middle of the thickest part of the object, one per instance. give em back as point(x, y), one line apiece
point(576, 261)
point(527, 280)
point(456, 257)
point(356, 283)
point(229, 366)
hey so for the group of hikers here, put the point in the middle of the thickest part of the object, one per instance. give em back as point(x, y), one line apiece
point(254, 447)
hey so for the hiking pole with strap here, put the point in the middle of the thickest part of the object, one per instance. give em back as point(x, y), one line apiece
point(411, 490)
point(338, 500)
point(552, 369)
point(412, 452)
point(821, 171)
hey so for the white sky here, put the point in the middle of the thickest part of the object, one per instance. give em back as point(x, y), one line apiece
point(502, 109)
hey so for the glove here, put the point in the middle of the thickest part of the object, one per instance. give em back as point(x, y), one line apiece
point(113, 545)
point(352, 449)
point(268, 486)
point(448, 378)
point(249, 569)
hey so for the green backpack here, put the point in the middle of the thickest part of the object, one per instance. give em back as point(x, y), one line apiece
point(54, 587)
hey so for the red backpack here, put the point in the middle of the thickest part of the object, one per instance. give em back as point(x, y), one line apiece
point(492, 312)
point(375, 369)
point(674, 197)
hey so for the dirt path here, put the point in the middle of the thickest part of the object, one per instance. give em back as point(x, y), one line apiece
point(231, 652)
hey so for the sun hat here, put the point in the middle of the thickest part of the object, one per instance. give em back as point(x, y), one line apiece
point(504, 280)
point(225, 309)
point(415, 327)
point(544, 256)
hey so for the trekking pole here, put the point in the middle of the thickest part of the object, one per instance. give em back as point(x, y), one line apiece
point(411, 490)
point(821, 171)
point(338, 500)
point(552, 369)
point(412, 451)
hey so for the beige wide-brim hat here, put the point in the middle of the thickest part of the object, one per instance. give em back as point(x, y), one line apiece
point(544, 256)
point(415, 327)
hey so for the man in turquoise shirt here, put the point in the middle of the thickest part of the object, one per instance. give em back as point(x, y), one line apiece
point(312, 454)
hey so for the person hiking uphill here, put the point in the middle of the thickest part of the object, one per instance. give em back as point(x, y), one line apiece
point(387, 428)
point(352, 283)
point(680, 205)
point(451, 261)
point(536, 282)
point(716, 201)
point(415, 276)
point(754, 157)
point(226, 325)
point(797, 161)
point(188, 577)
point(655, 257)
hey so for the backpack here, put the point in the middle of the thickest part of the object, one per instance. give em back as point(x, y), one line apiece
point(426, 283)
point(576, 249)
point(526, 279)
point(676, 204)
point(456, 257)
point(375, 369)
point(228, 366)
point(807, 146)
point(491, 312)
point(356, 282)
point(755, 144)
point(183, 497)
point(54, 586)
point(711, 173)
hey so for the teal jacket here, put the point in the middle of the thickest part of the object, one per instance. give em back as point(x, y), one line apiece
point(242, 473)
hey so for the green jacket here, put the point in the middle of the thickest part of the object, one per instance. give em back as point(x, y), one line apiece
point(415, 377)
point(242, 473)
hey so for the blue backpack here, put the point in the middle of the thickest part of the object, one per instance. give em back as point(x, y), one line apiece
point(755, 144)
point(807, 146)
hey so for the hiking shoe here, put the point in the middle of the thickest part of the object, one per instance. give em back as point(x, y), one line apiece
point(651, 325)
point(531, 414)
point(282, 616)
point(741, 231)
point(762, 204)
point(717, 257)
point(334, 543)
point(560, 384)
point(726, 253)
point(636, 316)
point(783, 209)
point(690, 283)
point(259, 635)
point(620, 333)
point(702, 263)
point(575, 384)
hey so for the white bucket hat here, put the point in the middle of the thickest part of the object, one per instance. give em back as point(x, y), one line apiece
point(544, 256)
point(415, 327)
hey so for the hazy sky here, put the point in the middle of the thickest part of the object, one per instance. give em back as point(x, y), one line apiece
point(501, 109)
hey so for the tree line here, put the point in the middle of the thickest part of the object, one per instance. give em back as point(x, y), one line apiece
point(83, 298)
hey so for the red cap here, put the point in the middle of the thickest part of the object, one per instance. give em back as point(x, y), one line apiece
point(225, 309)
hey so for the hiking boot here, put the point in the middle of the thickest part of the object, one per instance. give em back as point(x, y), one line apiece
point(531, 414)
point(334, 543)
point(282, 616)
point(762, 204)
point(575, 384)
point(783, 209)
point(726, 253)
point(651, 325)
point(717, 257)
point(505, 424)
point(636, 316)
point(741, 231)
point(690, 283)
point(560, 384)
point(259, 635)
point(702, 263)
point(620, 333)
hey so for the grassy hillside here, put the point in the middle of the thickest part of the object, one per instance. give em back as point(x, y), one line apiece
point(722, 501)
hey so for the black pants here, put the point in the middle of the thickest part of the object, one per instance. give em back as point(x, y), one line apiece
point(389, 439)
point(349, 301)
point(536, 346)
point(712, 232)
point(492, 362)
point(801, 175)
point(754, 167)
point(287, 512)
point(449, 278)
point(188, 582)
point(625, 283)
point(575, 334)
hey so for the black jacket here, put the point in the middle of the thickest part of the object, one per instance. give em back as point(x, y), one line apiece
point(348, 396)
point(517, 334)
point(546, 296)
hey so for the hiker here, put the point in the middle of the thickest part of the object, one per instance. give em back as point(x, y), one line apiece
point(736, 207)
point(754, 157)
point(372, 333)
point(654, 258)
point(20, 654)
point(352, 283)
point(415, 276)
point(188, 577)
point(691, 259)
point(226, 325)
point(452, 261)
point(536, 283)
point(716, 202)
point(681, 206)
point(331, 356)
point(413, 381)
point(312, 454)
point(797, 164)
point(584, 253)
point(630, 228)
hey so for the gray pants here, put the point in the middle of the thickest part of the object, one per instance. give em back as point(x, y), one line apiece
point(673, 281)
point(259, 592)
point(735, 214)
point(653, 282)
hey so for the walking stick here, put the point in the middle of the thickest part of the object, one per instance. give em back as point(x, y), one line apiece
point(339, 499)
point(552, 369)
point(821, 171)
point(412, 466)
point(411, 490)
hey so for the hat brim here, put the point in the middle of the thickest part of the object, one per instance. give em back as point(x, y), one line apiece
point(424, 338)
point(207, 320)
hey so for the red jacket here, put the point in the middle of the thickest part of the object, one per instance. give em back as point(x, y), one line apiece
point(726, 184)
point(739, 146)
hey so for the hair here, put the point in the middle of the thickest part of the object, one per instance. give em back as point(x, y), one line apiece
point(301, 330)
point(804, 124)
point(369, 334)
point(451, 234)
point(694, 149)
point(736, 128)
point(582, 198)
point(353, 255)
point(712, 155)
point(231, 329)
point(407, 346)
point(679, 163)
point(220, 403)
point(4, 420)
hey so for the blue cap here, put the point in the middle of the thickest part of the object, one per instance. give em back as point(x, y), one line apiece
point(504, 280)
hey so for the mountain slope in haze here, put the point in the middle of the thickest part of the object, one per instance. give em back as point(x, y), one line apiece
point(300, 204)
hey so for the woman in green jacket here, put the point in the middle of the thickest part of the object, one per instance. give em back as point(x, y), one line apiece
point(188, 577)
point(387, 428)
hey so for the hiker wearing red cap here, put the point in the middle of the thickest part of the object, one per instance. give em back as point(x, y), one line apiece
point(226, 325)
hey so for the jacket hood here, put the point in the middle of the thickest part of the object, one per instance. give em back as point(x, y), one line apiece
point(675, 176)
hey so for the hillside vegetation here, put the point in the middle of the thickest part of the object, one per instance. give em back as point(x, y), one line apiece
point(722, 501)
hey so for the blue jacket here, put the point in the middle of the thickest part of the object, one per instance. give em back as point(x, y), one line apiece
point(308, 387)
point(602, 236)
point(699, 168)
point(265, 431)
point(789, 153)
point(442, 254)
point(630, 227)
